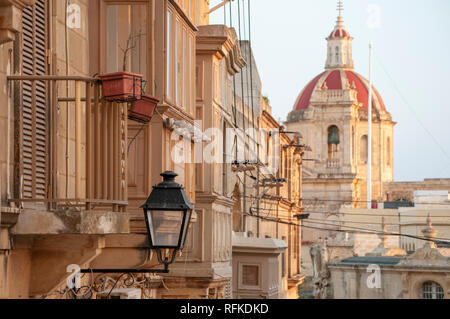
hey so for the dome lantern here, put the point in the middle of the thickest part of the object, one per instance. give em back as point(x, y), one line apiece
point(339, 45)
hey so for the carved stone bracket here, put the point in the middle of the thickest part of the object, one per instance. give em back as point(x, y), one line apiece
point(8, 218)
point(11, 18)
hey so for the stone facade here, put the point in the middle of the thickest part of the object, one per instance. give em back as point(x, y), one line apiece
point(421, 275)
point(404, 191)
point(267, 197)
point(71, 188)
point(66, 201)
point(331, 115)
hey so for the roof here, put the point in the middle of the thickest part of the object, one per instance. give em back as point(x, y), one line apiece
point(340, 80)
point(396, 205)
point(378, 260)
point(339, 33)
point(258, 245)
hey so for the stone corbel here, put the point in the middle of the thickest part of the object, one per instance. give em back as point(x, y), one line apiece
point(8, 218)
point(11, 18)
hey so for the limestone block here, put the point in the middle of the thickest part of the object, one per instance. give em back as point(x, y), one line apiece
point(85, 222)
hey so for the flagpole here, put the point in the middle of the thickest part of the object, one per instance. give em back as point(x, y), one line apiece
point(369, 135)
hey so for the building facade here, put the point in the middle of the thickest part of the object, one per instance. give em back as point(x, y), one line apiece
point(404, 191)
point(382, 275)
point(266, 189)
point(77, 169)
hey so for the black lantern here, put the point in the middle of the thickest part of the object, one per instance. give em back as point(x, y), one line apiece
point(167, 216)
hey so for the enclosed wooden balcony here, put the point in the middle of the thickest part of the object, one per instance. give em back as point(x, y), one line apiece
point(71, 152)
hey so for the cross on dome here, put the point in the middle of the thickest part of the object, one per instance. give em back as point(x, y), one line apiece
point(340, 8)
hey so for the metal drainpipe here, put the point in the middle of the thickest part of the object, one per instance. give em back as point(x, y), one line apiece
point(67, 103)
point(8, 134)
point(257, 203)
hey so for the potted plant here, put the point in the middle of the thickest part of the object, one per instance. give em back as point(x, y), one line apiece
point(123, 86)
point(142, 110)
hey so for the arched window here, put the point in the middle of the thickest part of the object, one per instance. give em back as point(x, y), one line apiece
point(333, 141)
point(353, 145)
point(431, 290)
point(363, 149)
point(337, 54)
point(388, 151)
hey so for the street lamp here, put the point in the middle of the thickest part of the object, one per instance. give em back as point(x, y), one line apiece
point(167, 214)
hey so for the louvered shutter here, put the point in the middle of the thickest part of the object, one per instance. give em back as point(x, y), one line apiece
point(34, 103)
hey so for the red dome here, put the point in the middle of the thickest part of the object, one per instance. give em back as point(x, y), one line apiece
point(339, 33)
point(338, 80)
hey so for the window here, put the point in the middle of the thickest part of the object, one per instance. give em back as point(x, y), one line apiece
point(269, 159)
point(353, 144)
point(187, 6)
point(431, 290)
point(185, 64)
point(177, 62)
point(286, 168)
point(363, 149)
point(126, 28)
point(333, 141)
point(169, 54)
point(283, 260)
point(225, 160)
point(337, 55)
point(191, 93)
point(216, 82)
point(180, 62)
point(223, 71)
point(388, 151)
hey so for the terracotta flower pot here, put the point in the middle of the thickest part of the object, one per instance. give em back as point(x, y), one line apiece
point(142, 110)
point(121, 86)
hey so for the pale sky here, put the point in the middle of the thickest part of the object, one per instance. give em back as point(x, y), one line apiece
point(411, 65)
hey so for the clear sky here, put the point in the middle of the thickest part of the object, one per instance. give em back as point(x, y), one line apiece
point(411, 65)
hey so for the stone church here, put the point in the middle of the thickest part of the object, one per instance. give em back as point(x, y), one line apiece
point(331, 114)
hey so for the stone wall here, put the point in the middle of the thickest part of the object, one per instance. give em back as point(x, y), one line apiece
point(351, 283)
point(404, 191)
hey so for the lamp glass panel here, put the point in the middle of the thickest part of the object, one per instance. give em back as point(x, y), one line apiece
point(165, 227)
point(186, 228)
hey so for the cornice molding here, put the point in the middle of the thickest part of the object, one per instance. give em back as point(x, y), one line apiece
point(182, 14)
point(426, 255)
point(11, 18)
point(212, 198)
point(20, 4)
point(171, 111)
point(222, 42)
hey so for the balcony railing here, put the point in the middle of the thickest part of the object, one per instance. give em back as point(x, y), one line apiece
point(86, 146)
point(347, 95)
point(333, 163)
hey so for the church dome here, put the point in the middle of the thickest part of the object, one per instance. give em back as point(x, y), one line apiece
point(340, 79)
point(339, 75)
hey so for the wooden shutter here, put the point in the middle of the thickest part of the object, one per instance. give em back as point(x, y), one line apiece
point(34, 101)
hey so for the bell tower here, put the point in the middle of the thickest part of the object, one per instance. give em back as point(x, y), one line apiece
point(331, 114)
